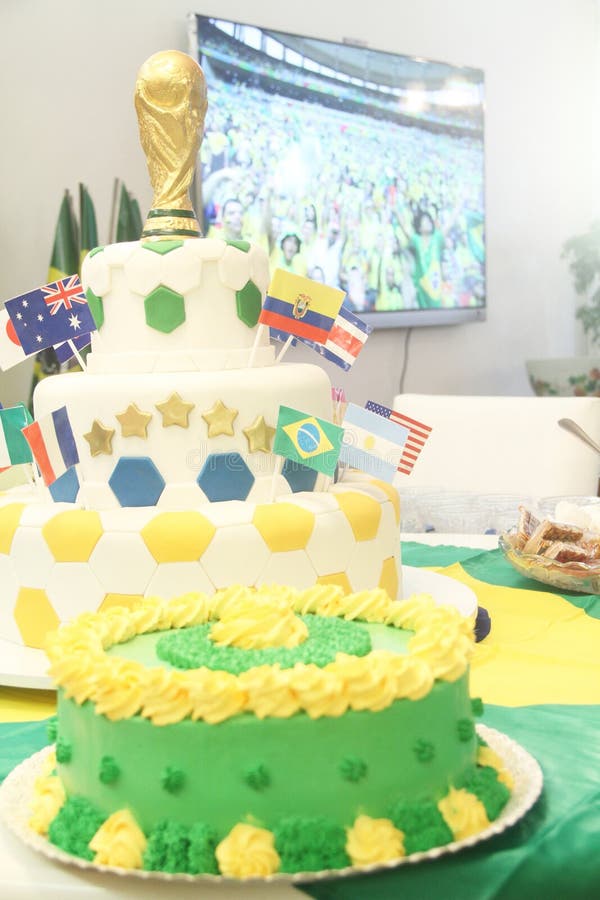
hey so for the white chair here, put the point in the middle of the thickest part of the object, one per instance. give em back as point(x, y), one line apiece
point(502, 446)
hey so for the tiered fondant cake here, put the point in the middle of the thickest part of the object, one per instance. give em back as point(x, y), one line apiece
point(176, 488)
point(290, 731)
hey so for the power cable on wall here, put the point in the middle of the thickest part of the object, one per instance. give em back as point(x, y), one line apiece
point(407, 335)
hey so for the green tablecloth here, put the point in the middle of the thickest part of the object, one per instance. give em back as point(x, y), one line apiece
point(553, 852)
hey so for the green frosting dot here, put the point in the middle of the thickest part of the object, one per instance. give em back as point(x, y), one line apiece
point(191, 648)
point(465, 729)
point(423, 825)
point(310, 844)
point(74, 826)
point(483, 782)
point(424, 751)
point(109, 770)
point(477, 706)
point(352, 768)
point(52, 729)
point(257, 777)
point(172, 779)
point(64, 751)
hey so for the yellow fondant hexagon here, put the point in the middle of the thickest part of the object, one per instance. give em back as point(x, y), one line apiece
point(388, 580)
point(35, 616)
point(10, 516)
point(129, 601)
point(178, 536)
point(363, 513)
point(283, 526)
point(339, 578)
point(392, 493)
point(72, 535)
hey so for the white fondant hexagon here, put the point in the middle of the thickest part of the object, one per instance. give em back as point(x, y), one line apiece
point(365, 487)
point(131, 518)
point(174, 579)
point(181, 271)
point(236, 555)
point(143, 271)
point(96, 274)
point(319, 502)
point(182, 496)
point(259, 267)
point(72, 589)
point(228, 512)
point(96, 496)
point(32, 558)
point(117, 254)
point(331, 543)
point(291, 567)
point(364, 568)
point(262, 490)
point(10, 588)
point(37, 514)
point(234, 268)
point(205, 248)
point(122, 563)
point(388, 535)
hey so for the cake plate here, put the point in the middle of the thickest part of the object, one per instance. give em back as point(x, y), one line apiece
point(26, 668)
point(16, 791)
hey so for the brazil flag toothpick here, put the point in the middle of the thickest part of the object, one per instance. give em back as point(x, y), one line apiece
point(308, 440)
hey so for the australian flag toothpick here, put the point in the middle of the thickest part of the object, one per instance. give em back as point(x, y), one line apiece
point(50, 314)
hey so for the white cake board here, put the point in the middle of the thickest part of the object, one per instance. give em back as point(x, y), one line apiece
point(26, 668)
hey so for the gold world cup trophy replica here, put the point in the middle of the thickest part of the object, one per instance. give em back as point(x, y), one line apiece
point(170, 101)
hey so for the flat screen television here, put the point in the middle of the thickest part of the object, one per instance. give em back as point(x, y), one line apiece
point(360, 168)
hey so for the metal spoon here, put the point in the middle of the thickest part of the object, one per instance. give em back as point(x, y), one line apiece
point(577, 430)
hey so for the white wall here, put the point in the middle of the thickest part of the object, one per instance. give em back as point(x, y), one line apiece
point(68, 71)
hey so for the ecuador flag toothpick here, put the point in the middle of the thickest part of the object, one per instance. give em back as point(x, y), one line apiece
point(308, 440)
point(300, 306)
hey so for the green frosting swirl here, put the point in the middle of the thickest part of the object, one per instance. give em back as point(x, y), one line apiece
point(74, 826)
point(483, 782)
point(191, 648)
point(310, 844)
point(422, 824)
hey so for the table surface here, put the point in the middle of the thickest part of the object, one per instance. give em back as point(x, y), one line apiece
point(554, 713)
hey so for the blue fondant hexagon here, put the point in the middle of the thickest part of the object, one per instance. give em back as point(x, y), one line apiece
point(165, 309)
point(135, 481)
point(225, 476)
point(299, 477)
point(66, 487)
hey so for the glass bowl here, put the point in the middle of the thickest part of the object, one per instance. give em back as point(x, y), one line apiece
point(583, 578)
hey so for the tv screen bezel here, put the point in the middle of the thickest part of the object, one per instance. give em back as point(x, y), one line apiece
point(382, 319)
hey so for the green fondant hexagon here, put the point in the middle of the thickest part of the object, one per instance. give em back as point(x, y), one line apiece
point(248, 304)
point(241, 245)
point(95, 250)
point(162, 247)
point(165, 309)
point(96, 307)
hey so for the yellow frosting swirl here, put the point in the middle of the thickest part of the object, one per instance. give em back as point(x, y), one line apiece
point(151, 614)
point(167, 697)
point(369, 606)
point(189, 609)
point(255, 623)
point(464, 813)
point(413, 677)
point(319, 598)
point(215, 696)
point(48, 797)
point(446, 651)
point(121, 688)
point(247, 851)
point(320, 692)
point(372, 841)
point(369, 680)
point(119, 842)
point(488, 757)
point(269, 692)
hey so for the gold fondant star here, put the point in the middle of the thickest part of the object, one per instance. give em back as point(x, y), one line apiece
point(175, 411)
point(219, 419)
point(134, 422)
point(259, 435)
point(100, 439)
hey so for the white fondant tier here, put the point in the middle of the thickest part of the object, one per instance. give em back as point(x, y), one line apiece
point(181, 299)
point(58, 560)
point(184, 460)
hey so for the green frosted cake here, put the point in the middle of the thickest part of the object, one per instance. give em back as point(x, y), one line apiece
point(258, 731)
